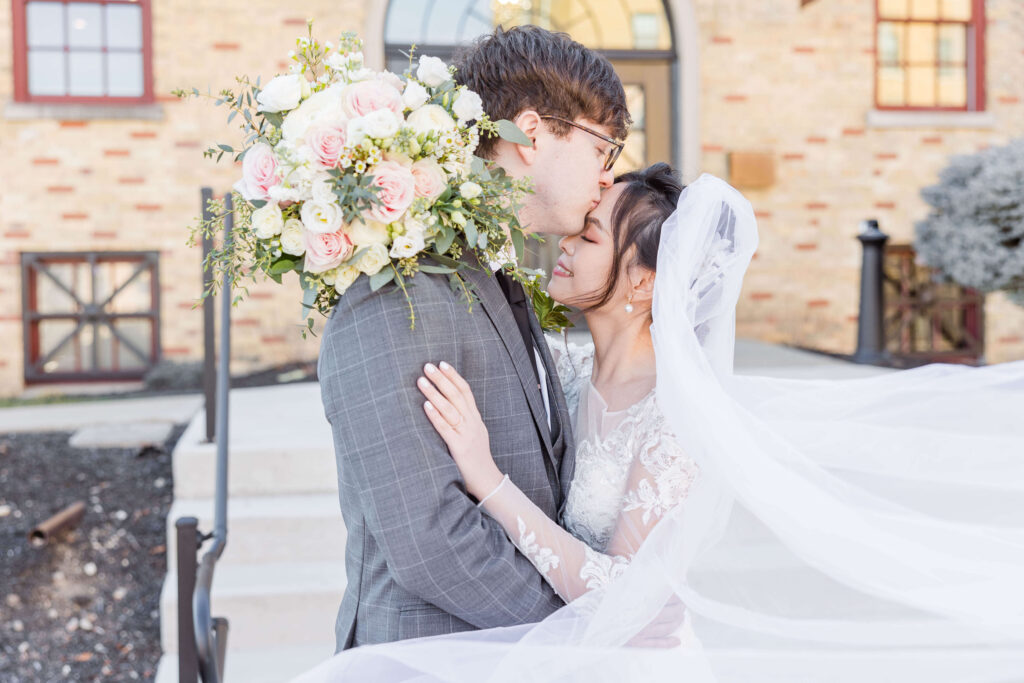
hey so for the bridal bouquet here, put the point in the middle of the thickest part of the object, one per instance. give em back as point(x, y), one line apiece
point(349, 172)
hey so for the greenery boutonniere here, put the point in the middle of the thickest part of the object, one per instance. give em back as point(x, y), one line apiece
point(553, 316)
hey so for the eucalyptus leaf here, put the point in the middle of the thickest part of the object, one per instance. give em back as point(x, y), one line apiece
point(444, 240)
point(384, 276)
point(440, 270)
point(513, 133)
point(284, 265)
point(519, 243)
point(308, 299)
point(471, 233)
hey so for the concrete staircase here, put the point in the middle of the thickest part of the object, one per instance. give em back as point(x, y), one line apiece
point(281, 577)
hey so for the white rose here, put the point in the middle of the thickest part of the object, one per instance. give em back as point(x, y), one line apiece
point(415, 95)
point(291, 238)
point(363, 74)
point(468, 106)
point(414, 228)
point(370, 232)
point(470, 190)
point(341, 278)
point(267, 221)
point(430, 118)
point(282, 93)
point(322, 217)
point(381, 123)
point(375, 258)
point(321, 106)
point(432, 71)
point(406, 246)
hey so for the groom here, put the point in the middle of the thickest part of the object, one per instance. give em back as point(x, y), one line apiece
point(422, 559)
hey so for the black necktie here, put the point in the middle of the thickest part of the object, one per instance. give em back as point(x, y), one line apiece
point(517, 302)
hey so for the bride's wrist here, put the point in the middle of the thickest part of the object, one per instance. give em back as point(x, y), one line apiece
point(486, 482)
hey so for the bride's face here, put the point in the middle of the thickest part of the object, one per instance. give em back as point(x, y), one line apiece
point(584, 267)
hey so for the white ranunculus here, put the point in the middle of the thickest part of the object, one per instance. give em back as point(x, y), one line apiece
point(430, 118)
point(432, 71)
point(375, 258)
point(291, 238)
point(282, 93)
point(470, 190)
point(370, 232)
point(322, 217)
point(415, 95)
point(406, 246)
point(281, 193)
point(468, 106)
point(267, 221)
point(342, 277)
point(321, 106)
point(381, 123)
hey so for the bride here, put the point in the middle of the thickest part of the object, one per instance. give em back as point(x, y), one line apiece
point(852, 530)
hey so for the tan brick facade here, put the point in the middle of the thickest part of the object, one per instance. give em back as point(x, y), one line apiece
point(797, 84)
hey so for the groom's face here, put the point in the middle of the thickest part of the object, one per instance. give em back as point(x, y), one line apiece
point(569, 175)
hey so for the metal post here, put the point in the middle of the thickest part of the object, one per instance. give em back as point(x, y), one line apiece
point(209, 352)
point(871, 326)
point(186, 545)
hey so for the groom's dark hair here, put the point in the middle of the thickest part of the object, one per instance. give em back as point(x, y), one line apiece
point(528, 67)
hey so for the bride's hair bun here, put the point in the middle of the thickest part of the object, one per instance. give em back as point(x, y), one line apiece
point(649, 198)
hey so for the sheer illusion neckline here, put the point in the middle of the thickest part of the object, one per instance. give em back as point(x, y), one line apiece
point(604, 404)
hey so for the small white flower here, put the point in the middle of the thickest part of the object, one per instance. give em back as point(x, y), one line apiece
point(415, 95)
point(432, 71)
point(282, 93)
point(430, 118)
point(406, 246)
point(321, 217)
point(468, 106)
point(323, 189)
point(291, 238)
point(355, 132)
point(470, 190)
point(267, 221)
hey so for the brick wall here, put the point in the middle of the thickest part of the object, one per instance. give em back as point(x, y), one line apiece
point(799, 84)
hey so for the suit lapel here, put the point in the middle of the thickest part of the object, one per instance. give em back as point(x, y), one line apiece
point(493, 302)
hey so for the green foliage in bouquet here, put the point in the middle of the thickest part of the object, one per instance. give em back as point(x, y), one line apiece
point(350, 173)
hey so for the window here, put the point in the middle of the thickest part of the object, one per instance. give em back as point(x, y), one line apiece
point(930, 55)
point(82, 52)
point(90, 315)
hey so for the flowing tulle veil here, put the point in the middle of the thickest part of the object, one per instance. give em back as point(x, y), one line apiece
point(857, 530)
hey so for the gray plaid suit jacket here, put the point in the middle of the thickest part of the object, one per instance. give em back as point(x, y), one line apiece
point(421, 558)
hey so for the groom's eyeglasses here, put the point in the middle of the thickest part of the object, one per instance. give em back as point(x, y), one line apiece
point(613, 152)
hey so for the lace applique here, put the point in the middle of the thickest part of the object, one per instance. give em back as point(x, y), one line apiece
point(673, 473)
point(574, 365)
point(598, 570)
point(544, 559)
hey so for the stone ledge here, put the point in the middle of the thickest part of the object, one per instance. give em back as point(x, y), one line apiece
point(26, 111)
point(877, 118)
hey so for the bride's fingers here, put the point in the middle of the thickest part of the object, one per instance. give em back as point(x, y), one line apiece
point(461, 384)
point(440, 424)
point(442, 405)
point(446, 387)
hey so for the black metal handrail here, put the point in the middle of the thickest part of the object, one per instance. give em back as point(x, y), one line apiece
point(202, 643)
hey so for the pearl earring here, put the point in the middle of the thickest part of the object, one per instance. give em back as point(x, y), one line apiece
point(629, 305)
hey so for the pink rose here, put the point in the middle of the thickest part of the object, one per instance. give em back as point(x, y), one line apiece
point(396, 190)
point(325, 250)
point(326, 140)
point(259, 172)
point(430, 179)
point(365, 96)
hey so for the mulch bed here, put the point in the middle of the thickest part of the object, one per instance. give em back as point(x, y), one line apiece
point(86, 606)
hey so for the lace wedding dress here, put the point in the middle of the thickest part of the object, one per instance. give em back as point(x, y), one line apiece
point(630, 471)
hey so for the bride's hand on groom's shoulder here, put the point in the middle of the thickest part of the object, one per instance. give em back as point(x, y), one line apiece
point(451, 409)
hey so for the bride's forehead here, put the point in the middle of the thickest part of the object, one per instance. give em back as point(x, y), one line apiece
point(609, 198)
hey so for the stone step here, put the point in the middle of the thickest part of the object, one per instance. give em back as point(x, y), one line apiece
point(302, 528)
point(279, 444)
point(263, 665)
point(267, 605)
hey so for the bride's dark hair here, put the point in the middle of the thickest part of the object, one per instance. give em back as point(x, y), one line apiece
point(649, 198)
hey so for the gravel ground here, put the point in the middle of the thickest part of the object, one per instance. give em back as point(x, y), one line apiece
point(85, 607)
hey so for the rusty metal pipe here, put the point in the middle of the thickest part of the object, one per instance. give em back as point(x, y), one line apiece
point(64, 520)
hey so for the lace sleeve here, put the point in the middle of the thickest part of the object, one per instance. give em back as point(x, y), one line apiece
point(659, 479)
